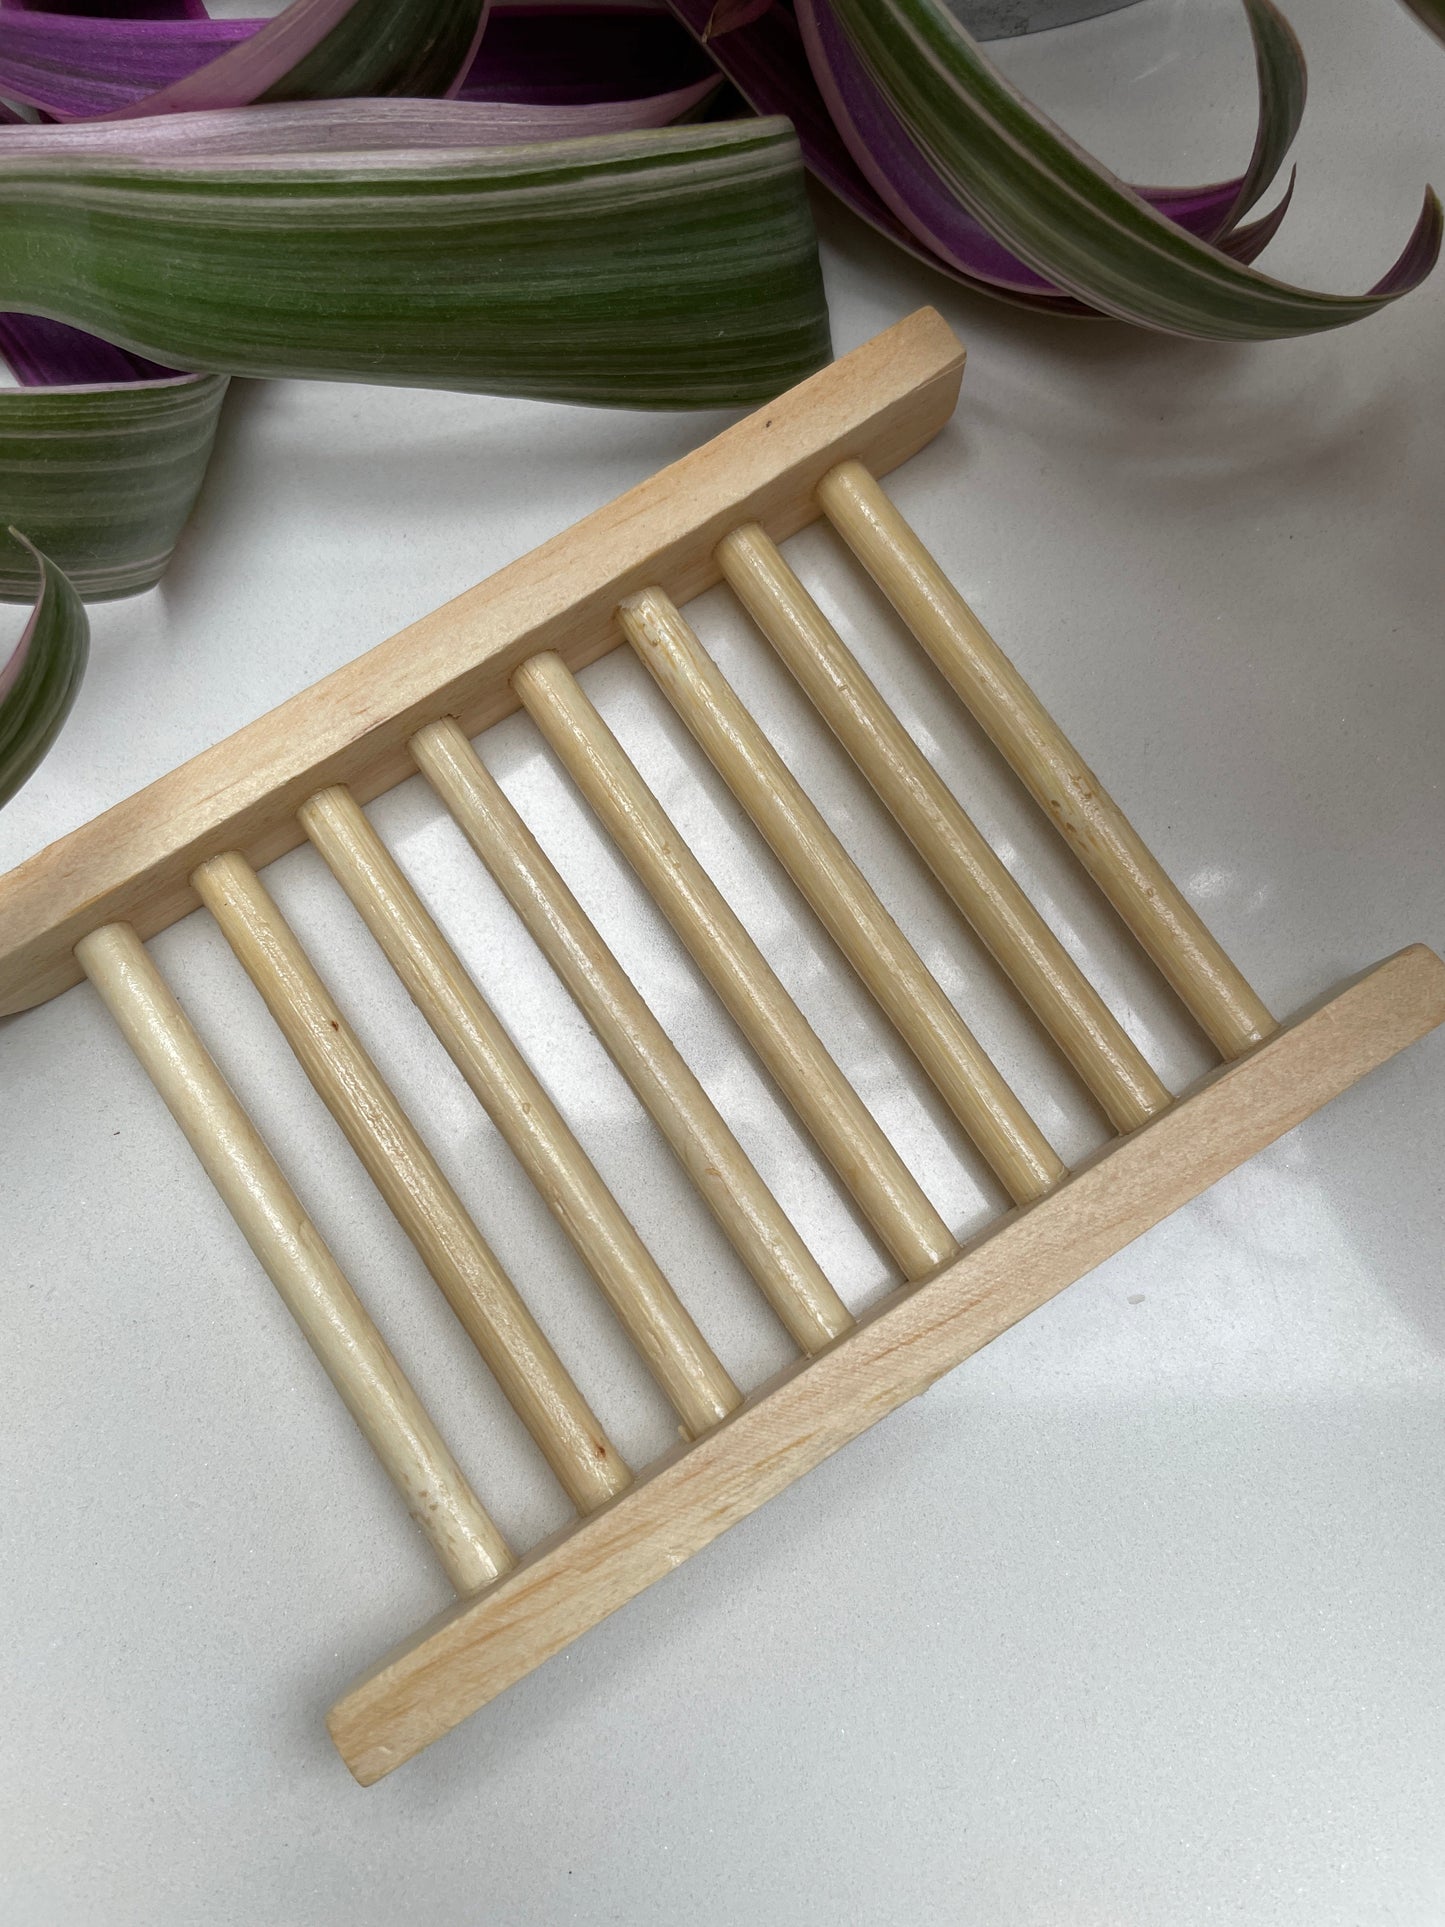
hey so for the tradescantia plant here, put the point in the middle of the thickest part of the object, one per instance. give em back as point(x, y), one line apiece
point(906, 119)
point(523, 198)
point(38, 683)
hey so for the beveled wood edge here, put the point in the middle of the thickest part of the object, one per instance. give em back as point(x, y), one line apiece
point(570, 1583)
point(881, 403)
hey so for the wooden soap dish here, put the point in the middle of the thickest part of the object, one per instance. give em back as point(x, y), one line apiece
point(199, 836)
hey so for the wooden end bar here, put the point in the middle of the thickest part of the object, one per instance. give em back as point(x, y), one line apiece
point(560, 1590)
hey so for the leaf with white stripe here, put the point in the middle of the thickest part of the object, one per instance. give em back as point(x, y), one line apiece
point(39, 682)
point(667, 269)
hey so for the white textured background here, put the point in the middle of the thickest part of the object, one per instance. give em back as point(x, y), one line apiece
point(1138, 1617)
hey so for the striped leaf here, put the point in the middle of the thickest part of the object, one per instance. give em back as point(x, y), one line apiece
point(803, 66)
point(78, 65)
point(656, 269)
point(1065, 216)
point(102, 461)
point(39, 683)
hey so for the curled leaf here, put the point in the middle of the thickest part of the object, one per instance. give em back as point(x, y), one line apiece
point(903, 117)
point(770, 65)
point(76, 66)
point(102, 455)
point(1063, 214)
point(39, 682)
point(656, 269)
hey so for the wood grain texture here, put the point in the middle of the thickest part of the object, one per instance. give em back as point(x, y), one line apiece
point(940, 829)
point(1170, 931)
point(727, 1181)
point(411, 1181)
point(841, 897)
point(836, 1118)
point(296, 1259)
point(133, 864)
point(482, 1049)
point(561, 1589)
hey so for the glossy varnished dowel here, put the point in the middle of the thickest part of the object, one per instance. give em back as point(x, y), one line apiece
point(841, 897)
point(649, 1309)
point(311, 1283)
point(885, 1190)
point(411, 1181)
point(1066, 789)
point(754, 1223)
point(945, 836)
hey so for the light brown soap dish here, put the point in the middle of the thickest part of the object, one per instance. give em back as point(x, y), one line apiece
point(86, 905)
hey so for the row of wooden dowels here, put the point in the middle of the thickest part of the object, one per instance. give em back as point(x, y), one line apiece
point(407, 1175)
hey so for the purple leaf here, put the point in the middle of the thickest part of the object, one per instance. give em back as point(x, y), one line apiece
point(1247, 243)
point(902, 177)
point(116, 9)
point(47, 354)
point(76, 67)
point(551, 56)
point(767, 65)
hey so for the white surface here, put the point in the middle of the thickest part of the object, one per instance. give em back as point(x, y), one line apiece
point(1135, 1619)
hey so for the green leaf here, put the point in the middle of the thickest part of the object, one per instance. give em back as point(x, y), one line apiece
point(1068, 217)
point(104, 477)
point(39, 683)
point(673, 268)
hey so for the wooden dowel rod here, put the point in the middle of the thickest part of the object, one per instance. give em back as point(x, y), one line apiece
point(311, 1283)
point(411, 1181)
point(886, 1191)
point(1065, 788)
point(945, 836)
point(841, 896)
point(751, 1218)
point(647, 1306)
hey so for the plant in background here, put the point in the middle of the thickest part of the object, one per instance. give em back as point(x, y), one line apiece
point(541, 199)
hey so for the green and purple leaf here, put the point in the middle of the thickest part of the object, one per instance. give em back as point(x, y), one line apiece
point(77, 66)
point(766, 59)
point(39, 682)
point(102, 454)
point(639, 63)
point(1066, 216)
point(901, 114)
